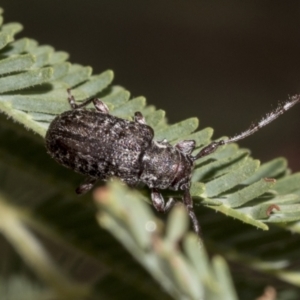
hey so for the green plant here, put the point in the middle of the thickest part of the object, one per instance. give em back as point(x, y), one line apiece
point(39, 211)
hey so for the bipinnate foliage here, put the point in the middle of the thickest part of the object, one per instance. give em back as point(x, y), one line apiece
point(50, 234)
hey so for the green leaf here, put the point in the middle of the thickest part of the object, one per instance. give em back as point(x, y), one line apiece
point(16, 63)
point(97, 84)
point(288, 184)
point(171, 267)
point(117, 97)
point(16, 47)
point(127, 109)
point(12, 288)
point(30, 250)
point(12, 28)
point(248, 193)
point(272, 169)
point(223, 276)
point(33, 90)
point(221, 166)
point(5, 38)
point(24, 80)
point(180, 129)
point(77, 75)
point(231, 179)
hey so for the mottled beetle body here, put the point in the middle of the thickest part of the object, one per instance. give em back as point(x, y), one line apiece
point(101, 146)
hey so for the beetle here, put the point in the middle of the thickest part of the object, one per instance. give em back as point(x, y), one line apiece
point(100, 146)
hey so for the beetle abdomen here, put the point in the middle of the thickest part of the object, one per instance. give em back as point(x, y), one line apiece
point(98, 144)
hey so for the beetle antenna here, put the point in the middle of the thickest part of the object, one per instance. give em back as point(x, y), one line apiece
point(270, 117)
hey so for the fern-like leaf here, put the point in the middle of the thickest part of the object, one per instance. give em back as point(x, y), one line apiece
point(33, 90)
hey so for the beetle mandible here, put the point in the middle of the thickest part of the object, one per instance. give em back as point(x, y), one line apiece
point(100, 146)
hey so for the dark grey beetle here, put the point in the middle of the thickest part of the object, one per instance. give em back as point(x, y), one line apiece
point(101, 146)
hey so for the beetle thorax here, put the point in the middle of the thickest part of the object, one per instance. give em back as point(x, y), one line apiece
point(166, 167)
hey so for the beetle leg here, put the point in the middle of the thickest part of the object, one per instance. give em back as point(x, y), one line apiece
point(71, 99)
point(157, 200)
point(139, 118)
point(100, 106)
point(170, 203)
point(186, 146)
point(86, 185)
point(188, 202)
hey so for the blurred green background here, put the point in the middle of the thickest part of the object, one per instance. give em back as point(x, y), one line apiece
point(226, 62)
